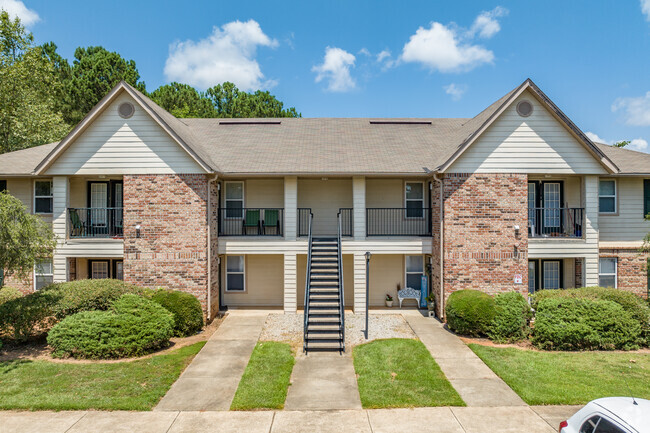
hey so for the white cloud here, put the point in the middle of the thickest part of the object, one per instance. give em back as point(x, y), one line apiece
point(450, 48)
point(636, 110)
point(336, 70)
point(383, 55)
point(16, 8)
point(228, 54)
point(645, 8)
point(455, 91)
point(638, 144)
point(365, 52)
point(595, 138)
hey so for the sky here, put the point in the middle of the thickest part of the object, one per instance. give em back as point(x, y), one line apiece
point(345, 58)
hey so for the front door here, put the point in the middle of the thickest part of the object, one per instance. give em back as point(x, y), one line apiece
point(105, 207)
point(545, 208)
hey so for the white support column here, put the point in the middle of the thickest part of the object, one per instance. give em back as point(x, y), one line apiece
point(60, 188)
point(290, 287)
point(591, 230)
point(359, 283)
point(359, 207)
point(290, 207)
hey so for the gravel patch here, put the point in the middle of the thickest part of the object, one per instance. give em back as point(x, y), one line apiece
point(289, 328)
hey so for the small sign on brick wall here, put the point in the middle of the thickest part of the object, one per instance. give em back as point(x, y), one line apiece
point(518, 279)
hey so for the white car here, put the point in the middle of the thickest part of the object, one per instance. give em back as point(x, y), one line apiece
point(610, 415)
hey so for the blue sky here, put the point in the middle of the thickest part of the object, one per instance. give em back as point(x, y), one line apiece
point(440, 58)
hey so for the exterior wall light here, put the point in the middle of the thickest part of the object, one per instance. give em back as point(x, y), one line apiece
point(137, 230)
point(516, 230)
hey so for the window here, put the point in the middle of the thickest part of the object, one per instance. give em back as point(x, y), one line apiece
point(552, 204)
point(598, 424)
point(532, 276)
point(646, 197)
point(234, 199)
point(607, 196)
point(43, 273)
point(235, 280)
point(43, 196)
point(414, 271)
point(3, 185)
point(118, 269)
point(607, 272)
point(99, 269)
point(551, 277)
point(414, 199)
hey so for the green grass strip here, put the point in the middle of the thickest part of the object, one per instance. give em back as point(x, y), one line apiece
point(568, 377)
point(401, 373)
point(136, 385)
point(266, 378)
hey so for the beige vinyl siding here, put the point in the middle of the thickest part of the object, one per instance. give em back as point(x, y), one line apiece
point(386, 272)
point(23, 190)
point(384, 193)
point(535, 144)
point(264, 282)
point(112, 145)
point(325, 197)
point(348, 279)
point(260, 193)
point(628, 225)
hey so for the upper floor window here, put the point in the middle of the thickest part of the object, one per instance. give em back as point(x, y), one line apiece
point(234, 199)
point(607, 196)
point(43, 196)
point(646, 197)
point(414, 199)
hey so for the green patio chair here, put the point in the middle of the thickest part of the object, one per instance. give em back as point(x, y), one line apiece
point(78, 226)
point(271, 219)
point(251, 219)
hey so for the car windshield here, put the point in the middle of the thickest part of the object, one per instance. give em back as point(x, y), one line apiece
point(598, 424)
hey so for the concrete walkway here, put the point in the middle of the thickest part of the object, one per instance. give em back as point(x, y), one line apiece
point(475, 382)
point(323, 381)
point(535, 419)
point(210, 381)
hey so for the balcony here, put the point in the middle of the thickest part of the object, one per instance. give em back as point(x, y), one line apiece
point(555, 222)
point(95, 222)
point(398, 222)
point(251, 221)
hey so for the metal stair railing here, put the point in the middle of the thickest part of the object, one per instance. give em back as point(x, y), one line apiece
point(307, 284)
point(341, 288)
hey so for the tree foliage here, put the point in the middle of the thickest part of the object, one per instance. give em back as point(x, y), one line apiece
point(183, 100)
point(24, 238)
point(622, 143)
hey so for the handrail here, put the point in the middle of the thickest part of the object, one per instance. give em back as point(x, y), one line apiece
point(307, 286)
point(546, 222)
point(341, 288)
point(94, 222)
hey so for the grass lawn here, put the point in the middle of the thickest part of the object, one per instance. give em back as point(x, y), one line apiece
point(136, 385)
point(401, 373)
point(266, 378)
point(568, 377)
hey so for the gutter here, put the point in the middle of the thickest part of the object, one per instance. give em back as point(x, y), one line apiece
point(442, 242)
point(209, 260)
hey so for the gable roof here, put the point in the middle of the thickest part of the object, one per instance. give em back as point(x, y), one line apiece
point(176, 129)
point(483, 120)
point(23, 162)
point(629, 161)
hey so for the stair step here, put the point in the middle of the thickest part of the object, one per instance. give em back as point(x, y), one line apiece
point(323, 337)
point(324, 321)
point(325, 313)
point(323, 327)
point(322, 272)
point(334, 303)
point(320, 284)
point(324, 345)
point(319, 296)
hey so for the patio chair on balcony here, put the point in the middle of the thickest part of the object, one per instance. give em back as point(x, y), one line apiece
point(271, 219)
point(251, 219)
point(77, 227)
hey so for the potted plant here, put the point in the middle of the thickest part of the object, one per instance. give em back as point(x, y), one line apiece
point(431, 303)
point(389, 300)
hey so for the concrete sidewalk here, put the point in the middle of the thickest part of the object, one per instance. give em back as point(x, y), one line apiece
point(540, 419)
point(211, 380)
point(475, 382)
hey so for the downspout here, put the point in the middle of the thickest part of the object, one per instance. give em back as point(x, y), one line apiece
point(441, 253)
point(209, 261)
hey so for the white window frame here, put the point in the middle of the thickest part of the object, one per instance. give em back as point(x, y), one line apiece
point(406, 200)
point(51, 196)
point(407, 273)
point(108, 268)
point(615, 274)
point(36, 274)
point(560, 283)
point(242, 272)
point(615, 197)
point(226, 199)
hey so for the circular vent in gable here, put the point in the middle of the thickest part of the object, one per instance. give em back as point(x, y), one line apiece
point(524, 108)
point(125, 110)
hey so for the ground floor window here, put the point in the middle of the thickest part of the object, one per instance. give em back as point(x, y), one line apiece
point(607, 272)
point(414, 271)
point(235, 275)
point(545, 274)
point(118, 269)
point(43, 273)
point(99, 269)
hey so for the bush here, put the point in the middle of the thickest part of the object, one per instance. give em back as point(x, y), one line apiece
point(26, 316)
point(133, 326)
point(470, 312)
point(510, 322)
point(565, 323)
point(8, 294)
point(187, 311)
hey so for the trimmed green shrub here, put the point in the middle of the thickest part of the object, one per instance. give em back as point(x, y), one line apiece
point(187, 311)
point(9, 293)
point(584, 324)
point(27, 316)
point(510, 322)
point(470, 312)
point(133, 326)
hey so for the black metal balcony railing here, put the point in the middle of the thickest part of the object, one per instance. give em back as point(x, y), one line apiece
point(95, 222)
point(251, 221)
point(304, 217)
point(555, 222)
point(398, 222)
point(347, 227)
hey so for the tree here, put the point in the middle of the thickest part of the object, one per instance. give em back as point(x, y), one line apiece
point(183, 100)
point(95, 71)
point(229, 101)
point(622, 143)
point(24, 238)
point(29, 91)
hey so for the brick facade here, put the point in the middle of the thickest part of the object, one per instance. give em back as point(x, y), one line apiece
point(632, 274)
point(171, 251)
point(481, 249)
point(24, 285)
